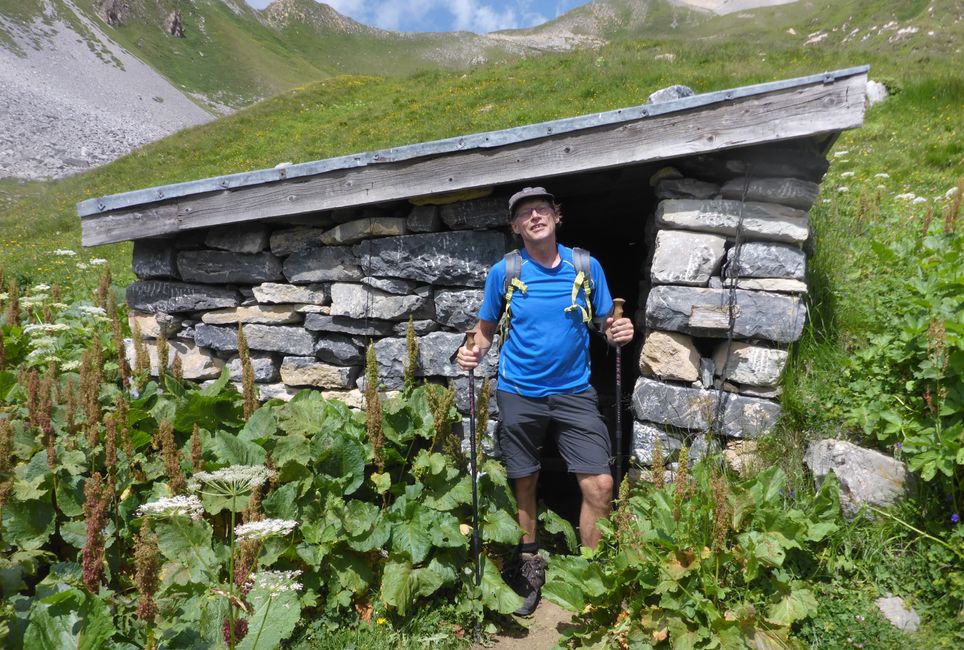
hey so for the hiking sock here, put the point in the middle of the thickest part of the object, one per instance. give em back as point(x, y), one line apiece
point(531, 547)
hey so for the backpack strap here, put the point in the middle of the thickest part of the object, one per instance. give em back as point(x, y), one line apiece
point(513, 269)
point(580, 260)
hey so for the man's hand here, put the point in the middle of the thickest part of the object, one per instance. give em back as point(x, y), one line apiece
point(619, 331)
point(469, 359)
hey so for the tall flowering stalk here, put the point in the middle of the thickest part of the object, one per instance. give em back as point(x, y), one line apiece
point(95, 515)
point(147, 568)
point(411, 347)
point(482, 412)
point(373, 408)
point(163, 355)
point(247, 375)
point(197, 453)
point(172, 457)
point(142, 358)
point(6, 479)
point(13, 307)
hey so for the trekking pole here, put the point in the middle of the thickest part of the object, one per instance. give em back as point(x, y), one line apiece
point(617, 314)
point(473, 467)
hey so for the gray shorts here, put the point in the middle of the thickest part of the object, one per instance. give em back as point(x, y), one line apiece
point(574, 418)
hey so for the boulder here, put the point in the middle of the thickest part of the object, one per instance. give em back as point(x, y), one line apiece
point(462, 393)
point(764, 260)
point(295, 240)
point(343, 325)
point(421, 327)
point(898, 613)
point(865, 476)
point(196, 364)
point(448, 258)
point(490, 447)
point(645, 437)
point(687, 258)
point(238, 238)
point(705, 312)
point(669, 94)
point(391, 285)
point(760, 220)
point(359, 229)
point(876, 93)
point(754, 365)
point(423, 218)
point(153, 326)
point(773, 285)
point(670, 355)
point(264, 314)
point(308, 371)
point(327, 264)
point(475, 214)
point(787, 159)
point(792, 192)
point(434, 353)
point(175, 297)
point(154, 258)
point(690, 408)
point(340, 350)
point(223, 267)
point(223, 339)
point(458, 308)
point(280, 338)
point(743, 458)
point(265, 368)
point(361, 302)
point(273, 293)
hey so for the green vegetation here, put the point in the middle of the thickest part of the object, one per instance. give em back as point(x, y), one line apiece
point(881, 361)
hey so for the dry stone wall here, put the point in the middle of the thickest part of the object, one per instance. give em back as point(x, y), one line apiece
point(309, 298)
point(719, 316)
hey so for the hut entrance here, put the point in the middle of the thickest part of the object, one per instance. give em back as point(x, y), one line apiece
point(605, 213)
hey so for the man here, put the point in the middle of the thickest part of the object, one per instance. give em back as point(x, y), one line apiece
point(544, 373)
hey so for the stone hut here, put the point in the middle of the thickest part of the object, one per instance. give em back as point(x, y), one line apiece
point(696, 206)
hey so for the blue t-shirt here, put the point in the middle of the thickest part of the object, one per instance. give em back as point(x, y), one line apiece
point(547, 351)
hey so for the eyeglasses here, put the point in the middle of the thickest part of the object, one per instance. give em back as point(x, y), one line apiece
point(543, 210)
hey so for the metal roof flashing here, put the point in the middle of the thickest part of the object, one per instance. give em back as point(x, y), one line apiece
point(490, 139)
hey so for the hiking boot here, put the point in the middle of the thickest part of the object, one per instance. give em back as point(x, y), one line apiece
point(526, 577)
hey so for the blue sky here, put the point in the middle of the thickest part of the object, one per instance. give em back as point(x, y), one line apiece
point(479, 16)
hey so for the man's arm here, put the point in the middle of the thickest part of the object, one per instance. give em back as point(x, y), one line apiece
point(484, 333)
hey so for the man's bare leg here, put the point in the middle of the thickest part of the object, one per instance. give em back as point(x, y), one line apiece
point(525, 496)
point(597, 493)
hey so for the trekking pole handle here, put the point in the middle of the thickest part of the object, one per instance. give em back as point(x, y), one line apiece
point(618, 308)
point(470, 340)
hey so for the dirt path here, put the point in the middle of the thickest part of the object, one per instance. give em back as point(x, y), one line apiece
point(535, 633)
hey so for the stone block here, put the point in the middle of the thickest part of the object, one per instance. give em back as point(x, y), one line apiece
point(770, 316)
point(646, 435)
point(866, 476)
point(359, 229)
point(238, 238)
point(154, 296)
point(153, 326)
point(280, 338)
point(475, 214)
point(263, 314)
point(423, 218)
point(223, 267)
point(421, 327)
point(343, 325)
point(670, 355)
point(265, 368)
point(154, 258)
point(223, 339)
point(743, 458)
point(359, 301)
point(763, 260)
point(308, 371)
point(685, 188)
point(288, 294)
point(448, 258)
point(434, 353)
point(196, 364)
point(295, 240)
point(462, 393)
point(687, 258)
point(689, 408)
point(458, 308)
point(767, 221)
point(773, 285)
point(792, 192)
point(753, 365)
point(340, 350)
point(327, 264)
point(390, 285)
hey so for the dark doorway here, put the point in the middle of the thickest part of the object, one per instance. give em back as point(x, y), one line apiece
point(607, 214)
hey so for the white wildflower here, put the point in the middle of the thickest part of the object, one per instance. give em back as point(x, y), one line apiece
point(97, 261)
point(91, 310)
point(918, 199)
point(264, 528)
point(907, 196)
point(882, 175)
point(65, 252)
point(950, 193)
point(4, 296)
point(40, 288)
point(70, 365)
point(276, 582)
point(179, 506)
point(825, 201)
point(35, 299)
point(81, 266)
point(46, 327)
point(842, 188)
point(59, 305)
point(231, 481)
point(847, 175)
point(43, 342)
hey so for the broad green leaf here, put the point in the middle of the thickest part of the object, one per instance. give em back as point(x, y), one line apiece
point(445, 496)
point(344, 458)
point(797, 605)
point(496, 594)
point(262, 424)
point(554, 524)
point(273, 621)
point(500, 526)
point(302, 416)
point(351, 572)
point(292, 448)
point(564, 594)
point(412, 535)
point(283, 502)
point(69, 620)
point(446, 533)
point(70, 495)
point(187, 542)
point(230, 449)
point(28, 524)
point(398, 585)
point(360, 517)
